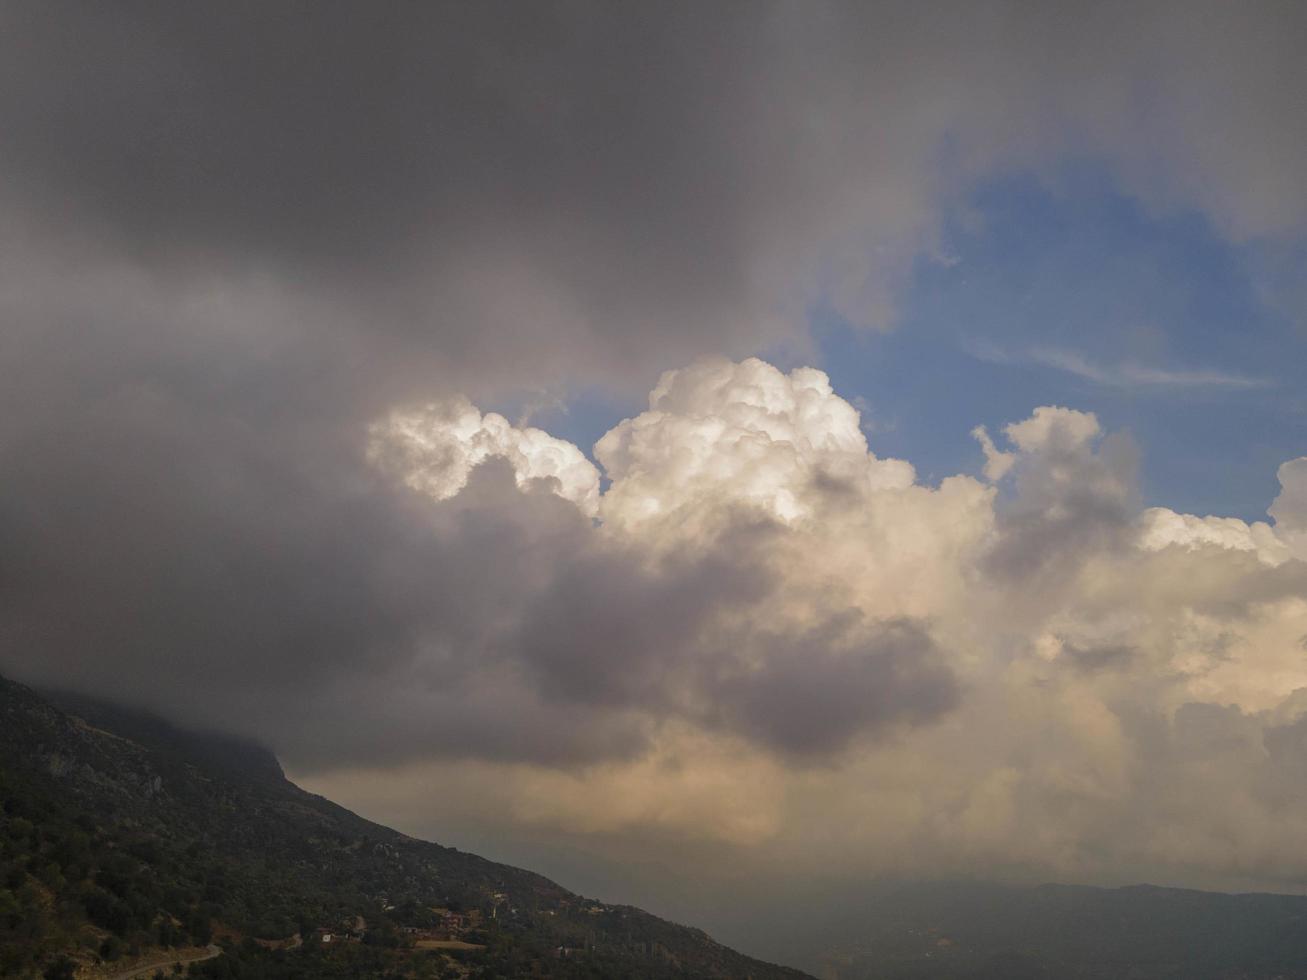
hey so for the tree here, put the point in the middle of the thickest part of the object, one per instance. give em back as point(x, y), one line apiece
point(111, 949)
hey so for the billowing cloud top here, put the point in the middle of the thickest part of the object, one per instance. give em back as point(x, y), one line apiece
point(719, 431)
point(1033, 678)
point(436, 447)
point(1290, 507)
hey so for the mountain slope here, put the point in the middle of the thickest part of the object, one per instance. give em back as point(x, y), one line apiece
point(121, 836)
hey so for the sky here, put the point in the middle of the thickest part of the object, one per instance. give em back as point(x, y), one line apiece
point(680, 446)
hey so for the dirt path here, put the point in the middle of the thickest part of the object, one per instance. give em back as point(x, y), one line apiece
point(146, 969)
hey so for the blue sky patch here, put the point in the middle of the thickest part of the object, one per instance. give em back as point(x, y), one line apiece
point(1071, 293)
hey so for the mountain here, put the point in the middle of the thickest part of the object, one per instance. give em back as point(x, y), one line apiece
point(967, 930)
point(126, 842)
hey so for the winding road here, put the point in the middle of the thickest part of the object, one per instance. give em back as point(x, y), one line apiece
point(165, 965)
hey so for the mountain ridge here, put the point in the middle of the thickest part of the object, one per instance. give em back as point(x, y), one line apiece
point(123, 837)
point(122, 832)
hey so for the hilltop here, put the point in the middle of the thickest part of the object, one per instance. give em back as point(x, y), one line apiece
point(125, 840)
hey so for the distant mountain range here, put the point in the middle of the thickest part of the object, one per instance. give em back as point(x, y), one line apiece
point(129, 845)
point(126, 843)
point(984, 931)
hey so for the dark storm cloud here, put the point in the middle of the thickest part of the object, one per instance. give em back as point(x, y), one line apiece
point(809, 695)
point(1072, 503)
point(611, 630)
point(296, 598)
point(585, 185)
point(1099, 657)
point(452, 174)
point(233, 234)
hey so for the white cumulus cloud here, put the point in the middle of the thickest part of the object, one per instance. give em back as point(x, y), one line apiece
point(720, 432)
point(1290, 507)
point(941, 677)
point(435, 447)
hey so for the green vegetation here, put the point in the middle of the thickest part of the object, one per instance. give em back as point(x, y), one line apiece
point(124, 839)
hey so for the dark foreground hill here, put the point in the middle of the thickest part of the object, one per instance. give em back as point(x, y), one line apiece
point(125, 842)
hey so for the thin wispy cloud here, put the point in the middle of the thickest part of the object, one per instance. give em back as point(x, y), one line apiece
point(1122, 374)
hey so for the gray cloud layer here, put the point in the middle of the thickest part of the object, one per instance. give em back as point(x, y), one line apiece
point(531, 194)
